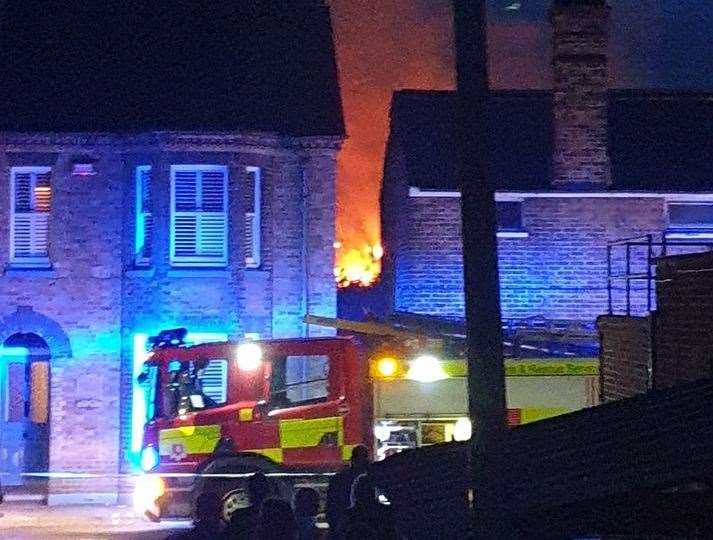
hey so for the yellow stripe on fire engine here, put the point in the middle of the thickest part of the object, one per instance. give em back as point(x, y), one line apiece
point(188, 440)
point(534, 414)
point(309, 433)
point(583, 367)
point(347, 450)
point(275, 454)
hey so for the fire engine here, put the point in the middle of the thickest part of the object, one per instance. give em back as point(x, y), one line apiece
point(291, 408)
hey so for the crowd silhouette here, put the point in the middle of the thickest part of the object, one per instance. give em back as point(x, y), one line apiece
point(352, 508)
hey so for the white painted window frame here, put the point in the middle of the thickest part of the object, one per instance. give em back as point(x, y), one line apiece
point(27, 262)
point(254, 219)
point(667, 197)
point(199, 261)
point(140, 217)
point(694, 232)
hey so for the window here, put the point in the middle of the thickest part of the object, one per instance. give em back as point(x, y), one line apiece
point(199, 223)
point(213, 380)
point(299, 380)
point(509, 216)
point(31, 197)
point(144, 217)
point(253, 217)
point(691, 218)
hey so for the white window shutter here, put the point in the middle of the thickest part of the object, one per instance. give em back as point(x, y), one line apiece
point(214, 380)
point(252, 227)
point(199, 215)
point(30, 206)
point(144, 216)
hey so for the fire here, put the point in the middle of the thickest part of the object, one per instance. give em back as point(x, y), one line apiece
point(381, 45)
point(385, 45)
point(360, 267)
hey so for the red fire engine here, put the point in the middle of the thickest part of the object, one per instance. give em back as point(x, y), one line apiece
point(220, 411)
point(285, 405)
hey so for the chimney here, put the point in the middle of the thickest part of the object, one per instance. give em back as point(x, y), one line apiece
point(580, 36)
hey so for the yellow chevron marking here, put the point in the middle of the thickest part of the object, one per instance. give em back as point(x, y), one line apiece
point(188, 440)
point(535, 414)
point(347, 451)
point(309, 433)
point(275, 454)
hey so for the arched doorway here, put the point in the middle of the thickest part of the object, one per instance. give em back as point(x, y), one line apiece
point(24, 408)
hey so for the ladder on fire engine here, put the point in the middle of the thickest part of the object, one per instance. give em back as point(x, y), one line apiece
point(534, 336)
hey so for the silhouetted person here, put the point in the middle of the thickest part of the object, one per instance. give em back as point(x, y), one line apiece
point(244, 521)
point(367, 513)
point(277, 521)
point(340, 487)
point(207, 523)
point(306, 504)
point(358, 531)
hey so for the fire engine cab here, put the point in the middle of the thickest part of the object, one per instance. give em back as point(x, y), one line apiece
point(218, 412)
point(229, 408)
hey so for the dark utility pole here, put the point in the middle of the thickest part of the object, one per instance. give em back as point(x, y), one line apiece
point(486, 379)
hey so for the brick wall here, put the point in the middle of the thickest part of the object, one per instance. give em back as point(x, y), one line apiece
point(579, 69)
point(684, 320)
point(270, 300)
point(558, 271)
point(625, 356)
point(95, 301)
point(79, 301)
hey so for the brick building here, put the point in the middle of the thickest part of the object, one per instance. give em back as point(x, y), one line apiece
point(162, 164)
point(574, 168)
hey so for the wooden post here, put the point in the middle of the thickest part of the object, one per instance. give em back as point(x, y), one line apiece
point(486, 378)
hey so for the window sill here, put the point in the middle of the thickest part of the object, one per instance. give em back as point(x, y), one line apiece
point(30, 272)
point(140, 272)
point(199, 273)
point(513, 234)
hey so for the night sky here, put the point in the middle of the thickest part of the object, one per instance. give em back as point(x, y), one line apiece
point(383, 45)
point(654, 43)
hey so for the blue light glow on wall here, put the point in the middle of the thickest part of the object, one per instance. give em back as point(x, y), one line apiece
point(138, 393)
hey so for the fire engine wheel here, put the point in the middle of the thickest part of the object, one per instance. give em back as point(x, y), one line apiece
point(233, 491)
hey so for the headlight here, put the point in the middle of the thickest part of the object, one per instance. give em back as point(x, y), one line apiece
point(426, 369)
point(387, 366)
point(149, 458)
point(463, 429)
point(149, 488)
point(249, 356)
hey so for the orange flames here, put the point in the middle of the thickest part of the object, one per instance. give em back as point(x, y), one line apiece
point(357, 266)
point(381, 45)
point(386, 45)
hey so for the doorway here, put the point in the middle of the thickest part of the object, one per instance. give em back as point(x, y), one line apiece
point(24, 409)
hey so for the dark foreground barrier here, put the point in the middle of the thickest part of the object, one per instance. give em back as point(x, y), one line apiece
point(429, 490)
